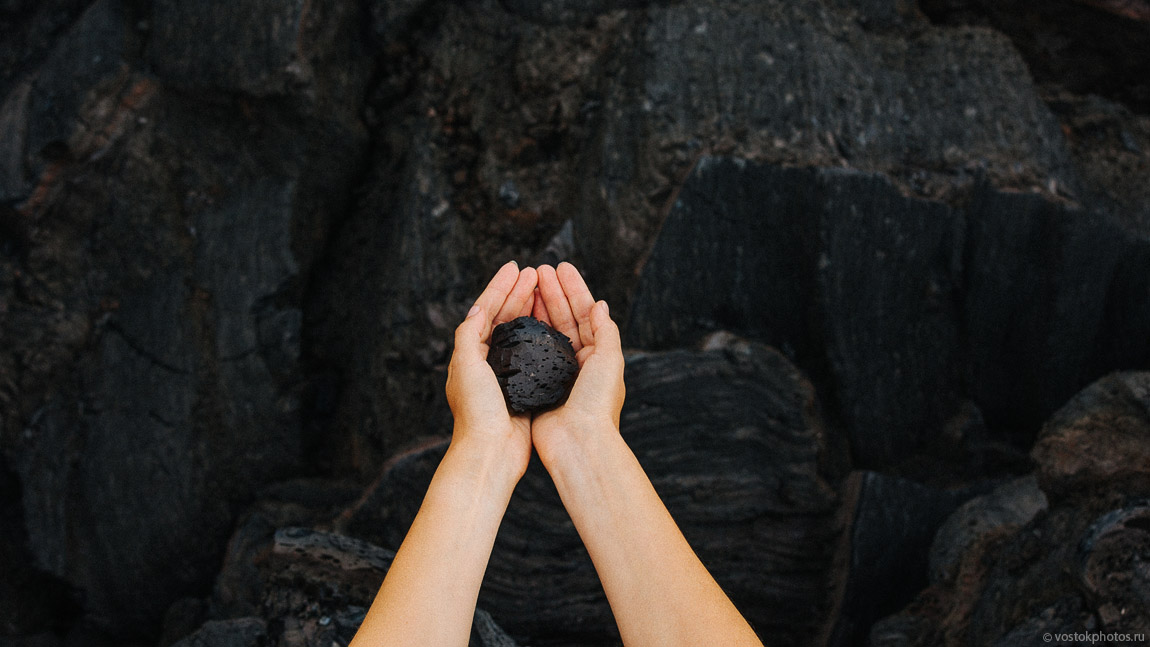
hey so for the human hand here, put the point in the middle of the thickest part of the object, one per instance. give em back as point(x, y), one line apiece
point(592, 409)
point(484, 428)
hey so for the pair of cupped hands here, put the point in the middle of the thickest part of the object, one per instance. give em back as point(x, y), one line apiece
point(483, 423)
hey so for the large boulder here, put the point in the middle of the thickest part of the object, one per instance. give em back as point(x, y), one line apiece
point(901, 308)
point(1100, 439)
point(533, 117)
point(891, 522)
point(308, 588)
point(1020, 563)
point(806, 84)
point(732, 439)
point(150, 379)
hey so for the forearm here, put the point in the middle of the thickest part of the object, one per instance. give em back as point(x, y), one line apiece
point(429, 594)
point(659, 591)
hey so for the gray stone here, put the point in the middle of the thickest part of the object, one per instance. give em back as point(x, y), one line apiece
point(1010, 506)
point(1100, 439)
point(488, 633)
point(1114, 566)
point(337, 550)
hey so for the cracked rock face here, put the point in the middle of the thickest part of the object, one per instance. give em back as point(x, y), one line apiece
point(535, 364)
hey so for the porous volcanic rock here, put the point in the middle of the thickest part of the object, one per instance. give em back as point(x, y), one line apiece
point(535, 364)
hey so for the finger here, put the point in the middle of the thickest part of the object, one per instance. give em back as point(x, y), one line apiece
point(494, 295)
point(470, 336)
point(580, 300)
point(521, 299)
point(539, 309)
point(497, 291)
point(605, 331)
point(557, 306)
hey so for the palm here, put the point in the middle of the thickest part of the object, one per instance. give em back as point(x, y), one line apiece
point(472, 389)
point(597, 396)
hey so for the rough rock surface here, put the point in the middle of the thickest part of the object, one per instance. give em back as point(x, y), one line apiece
point(535, 364)
point(892, 521)
point(1010, 505)
point(733, 442)
point(931, 108)
point(153, 271)
point(1079, 566)
point(1100, 437)
point(311, 588)
point(1091, 47)
point(504, 127)
point(900, 307)
point(235, 238)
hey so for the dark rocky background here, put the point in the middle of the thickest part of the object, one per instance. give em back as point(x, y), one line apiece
point(883, 269)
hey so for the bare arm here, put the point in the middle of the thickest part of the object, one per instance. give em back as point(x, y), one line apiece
point(659, 591)
point(429, 594)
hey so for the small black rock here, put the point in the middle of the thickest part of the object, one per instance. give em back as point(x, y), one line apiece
point(535, 364)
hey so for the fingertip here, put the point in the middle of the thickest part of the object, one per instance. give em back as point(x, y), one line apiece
point(566, 268)
point(607, 336)
point(539, 308)
point(471, 328)
point(601, 318)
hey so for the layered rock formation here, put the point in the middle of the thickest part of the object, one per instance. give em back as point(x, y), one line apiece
point(235, 238)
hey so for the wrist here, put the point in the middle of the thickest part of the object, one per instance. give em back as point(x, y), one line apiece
point(582, 450)
point(488, 465)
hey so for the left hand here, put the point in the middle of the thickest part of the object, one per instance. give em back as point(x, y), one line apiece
point(591, 413)
point(483, 424)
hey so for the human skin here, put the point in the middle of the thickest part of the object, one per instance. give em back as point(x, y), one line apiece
point(659, 591)
point(429, 594)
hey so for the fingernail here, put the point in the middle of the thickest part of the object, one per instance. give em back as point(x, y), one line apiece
point(516, 264)
point(473, 311)
point(606, 308)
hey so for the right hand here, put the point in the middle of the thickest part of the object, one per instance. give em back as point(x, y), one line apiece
point(593, 408)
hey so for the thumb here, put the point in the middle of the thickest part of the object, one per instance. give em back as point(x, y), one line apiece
point(470, 335)
point(604, 330)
